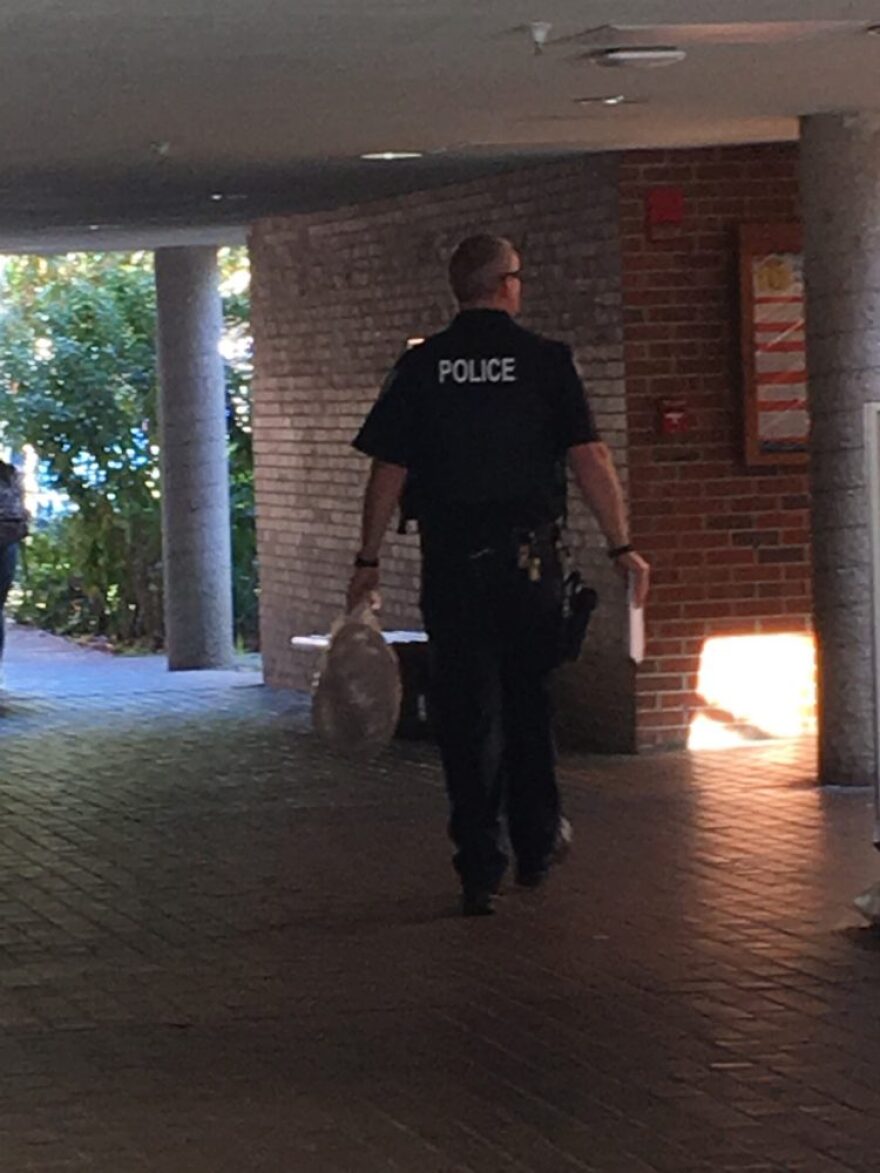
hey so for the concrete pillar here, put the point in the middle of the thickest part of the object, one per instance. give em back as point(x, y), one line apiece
point(196, 538)
point(841, 192)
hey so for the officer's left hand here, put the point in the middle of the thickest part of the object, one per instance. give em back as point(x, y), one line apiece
point(638, 572)
point(364, 583)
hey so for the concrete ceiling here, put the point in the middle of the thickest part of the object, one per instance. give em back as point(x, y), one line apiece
point(120, 119)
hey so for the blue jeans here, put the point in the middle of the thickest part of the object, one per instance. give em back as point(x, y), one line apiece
point(8, 559)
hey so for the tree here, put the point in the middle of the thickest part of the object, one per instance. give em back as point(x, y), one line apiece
point(78, 383)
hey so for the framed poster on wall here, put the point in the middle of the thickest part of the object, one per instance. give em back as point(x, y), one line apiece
point(774, 355)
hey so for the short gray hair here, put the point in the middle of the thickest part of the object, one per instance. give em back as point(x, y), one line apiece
point(477, 266)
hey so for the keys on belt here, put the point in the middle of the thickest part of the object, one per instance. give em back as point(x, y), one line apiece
point(528, 560)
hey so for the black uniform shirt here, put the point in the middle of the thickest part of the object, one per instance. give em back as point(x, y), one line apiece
point(481, 415)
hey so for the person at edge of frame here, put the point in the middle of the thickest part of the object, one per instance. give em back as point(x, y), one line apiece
point(13, 530)
point(477, 422)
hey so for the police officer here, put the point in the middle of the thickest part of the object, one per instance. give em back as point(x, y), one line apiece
point(477, 423)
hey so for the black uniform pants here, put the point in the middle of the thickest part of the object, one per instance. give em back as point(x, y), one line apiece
point(493, 634)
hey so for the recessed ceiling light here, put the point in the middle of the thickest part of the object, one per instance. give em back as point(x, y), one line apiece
point(873, 30)
point(217, 196)
point(638, 57)
point(391, 156)
point(607, 100)
point(94, 227)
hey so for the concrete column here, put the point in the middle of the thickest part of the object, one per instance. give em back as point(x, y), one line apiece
point(841, 192)
point(196, 538)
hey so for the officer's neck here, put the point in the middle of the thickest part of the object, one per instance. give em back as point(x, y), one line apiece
point(493, 303)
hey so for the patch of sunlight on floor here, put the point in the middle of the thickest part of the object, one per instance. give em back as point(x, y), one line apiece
point(755, 687)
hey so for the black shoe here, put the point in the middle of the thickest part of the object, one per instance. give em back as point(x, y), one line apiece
point(477, 902)
point(532, 877)
point(563, 841)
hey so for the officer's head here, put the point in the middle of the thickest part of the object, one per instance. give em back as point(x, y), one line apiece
point(484, 272)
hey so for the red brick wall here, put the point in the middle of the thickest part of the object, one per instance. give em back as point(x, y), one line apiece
point(335, 296)
point(729, 545)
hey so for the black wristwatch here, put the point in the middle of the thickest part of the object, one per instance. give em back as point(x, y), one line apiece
point(366, 563)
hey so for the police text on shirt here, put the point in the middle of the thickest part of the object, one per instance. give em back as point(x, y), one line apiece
point(477, 370)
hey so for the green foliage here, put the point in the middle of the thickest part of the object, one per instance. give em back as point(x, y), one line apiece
point(89, 578)
point(236, 315)
point(245, 589)
point(78, 383)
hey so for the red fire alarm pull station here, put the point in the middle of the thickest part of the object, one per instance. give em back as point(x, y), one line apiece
point(664, 211)
point(673, 417)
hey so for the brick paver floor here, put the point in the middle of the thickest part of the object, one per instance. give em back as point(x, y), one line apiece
point(220, 950)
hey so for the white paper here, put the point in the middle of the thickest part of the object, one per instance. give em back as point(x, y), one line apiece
point(636, 626)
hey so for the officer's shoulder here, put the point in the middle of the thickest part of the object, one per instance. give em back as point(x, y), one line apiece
point(547, 347)
point(407, 365)
point(424, 350)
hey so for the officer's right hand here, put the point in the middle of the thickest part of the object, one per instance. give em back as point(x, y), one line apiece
point(634, 567)
point(364, 584)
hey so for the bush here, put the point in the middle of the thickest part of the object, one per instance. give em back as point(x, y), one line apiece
point(95, 576)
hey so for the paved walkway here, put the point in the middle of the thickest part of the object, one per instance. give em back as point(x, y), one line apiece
point(220, 950)
point(37, 664)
